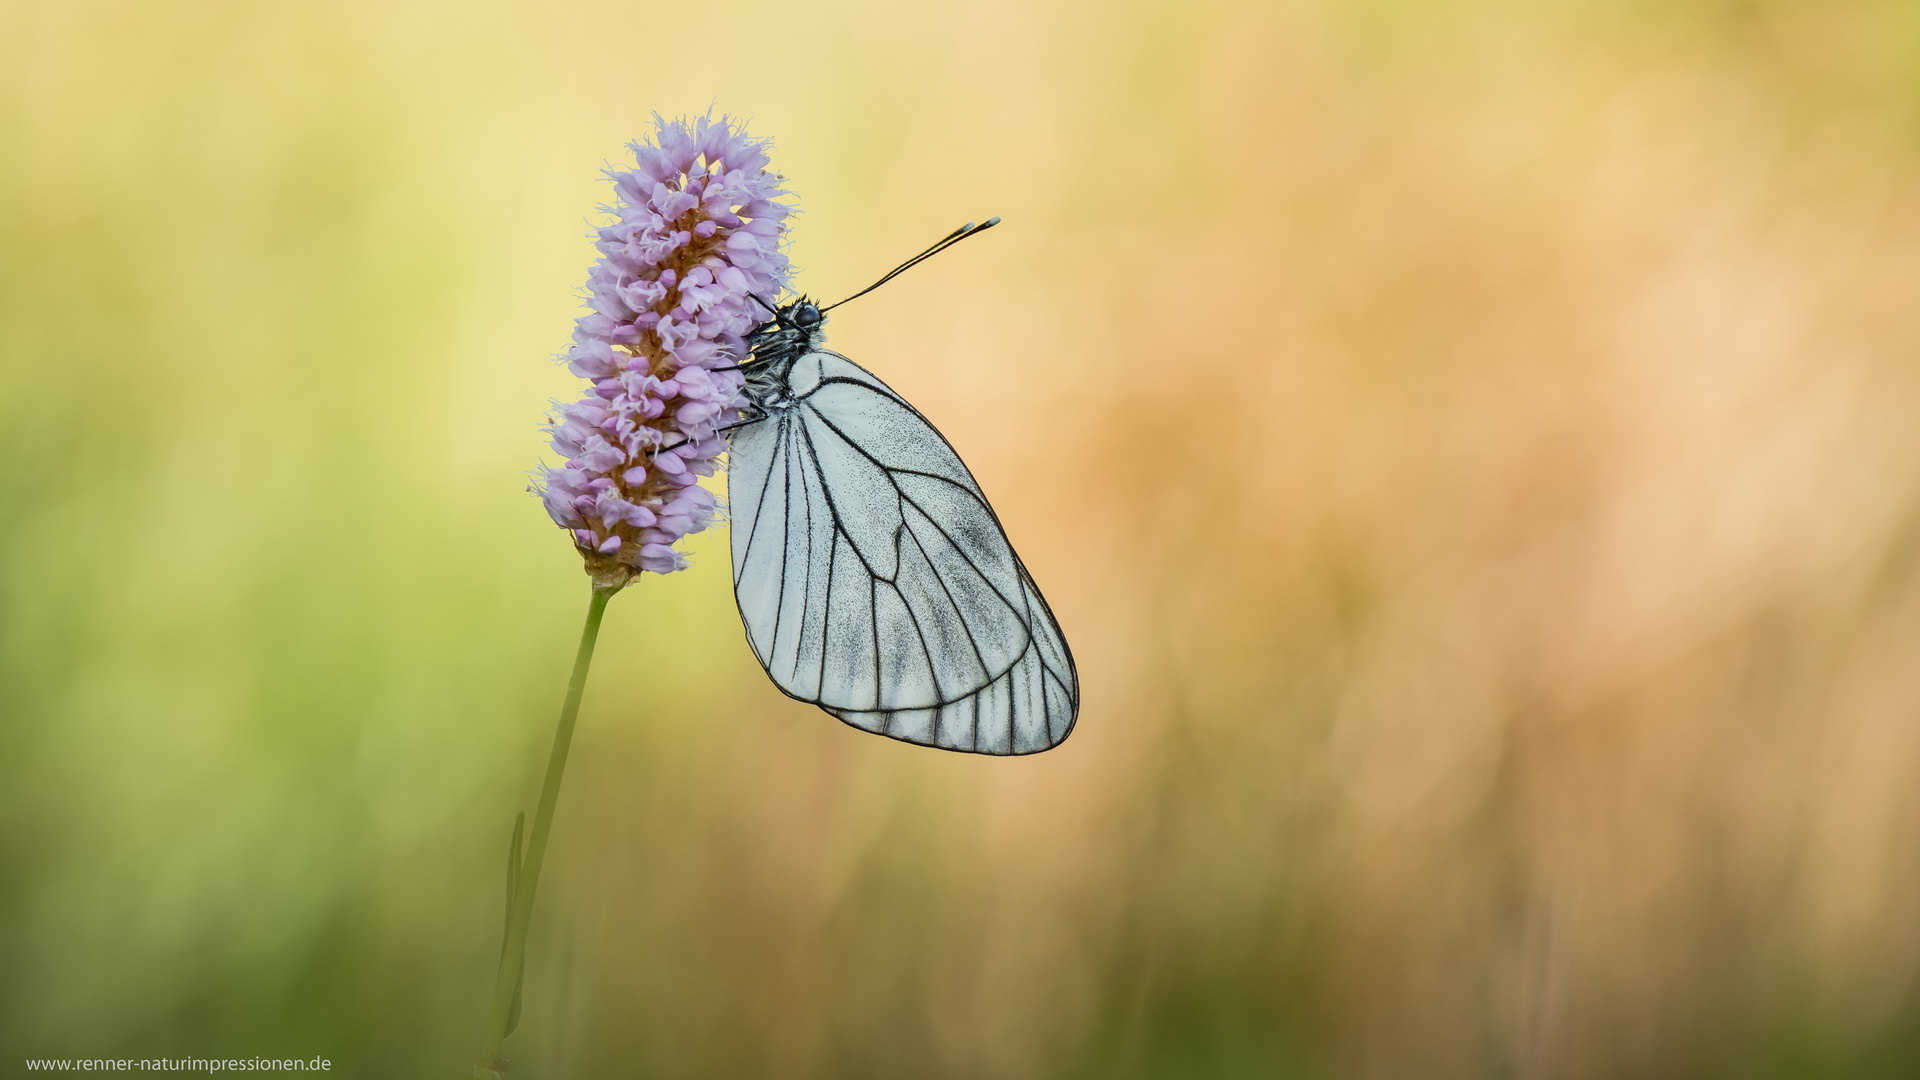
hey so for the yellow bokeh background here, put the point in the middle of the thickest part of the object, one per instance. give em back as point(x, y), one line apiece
point(1471, 447)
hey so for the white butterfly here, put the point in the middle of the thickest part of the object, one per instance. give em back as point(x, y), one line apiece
point(873, 578)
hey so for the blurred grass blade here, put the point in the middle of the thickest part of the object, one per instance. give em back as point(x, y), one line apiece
point(513, 890)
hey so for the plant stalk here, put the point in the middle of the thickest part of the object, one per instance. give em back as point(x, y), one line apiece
point(514, 952)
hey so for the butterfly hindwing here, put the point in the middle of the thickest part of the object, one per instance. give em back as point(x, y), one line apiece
point(1030, 707)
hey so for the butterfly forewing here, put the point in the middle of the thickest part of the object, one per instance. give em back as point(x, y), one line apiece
point(869, 414)
point(874, 580)
point(860, 495)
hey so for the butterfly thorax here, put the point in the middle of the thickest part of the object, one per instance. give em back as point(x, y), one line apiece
point(774, 347)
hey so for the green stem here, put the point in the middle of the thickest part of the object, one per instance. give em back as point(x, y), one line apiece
point(513, 954)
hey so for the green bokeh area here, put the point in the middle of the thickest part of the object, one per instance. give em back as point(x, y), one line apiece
point(1467, 444)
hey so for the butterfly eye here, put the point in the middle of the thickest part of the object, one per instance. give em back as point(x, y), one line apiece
point(807, 317)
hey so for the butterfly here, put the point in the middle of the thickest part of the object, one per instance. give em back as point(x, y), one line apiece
point(872, 576)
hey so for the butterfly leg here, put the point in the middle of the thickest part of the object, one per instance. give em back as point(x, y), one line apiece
point(722, 430)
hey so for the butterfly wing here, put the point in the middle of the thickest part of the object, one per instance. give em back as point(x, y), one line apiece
point(875, 581)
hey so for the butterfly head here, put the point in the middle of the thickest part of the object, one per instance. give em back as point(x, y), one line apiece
point(804, 314)
point(774, 345)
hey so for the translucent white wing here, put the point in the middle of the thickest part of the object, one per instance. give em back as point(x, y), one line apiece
point(875, 581)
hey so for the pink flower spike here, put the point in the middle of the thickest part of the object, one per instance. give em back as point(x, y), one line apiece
point(698, 231)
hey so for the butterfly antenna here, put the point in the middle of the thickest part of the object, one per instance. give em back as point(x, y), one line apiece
point(945, 242)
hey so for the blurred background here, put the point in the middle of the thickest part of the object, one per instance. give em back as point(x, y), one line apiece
point(1471, 447)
